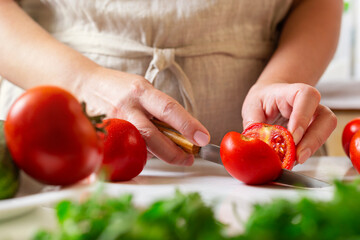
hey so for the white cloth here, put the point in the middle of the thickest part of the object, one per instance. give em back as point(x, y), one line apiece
point(204, 53)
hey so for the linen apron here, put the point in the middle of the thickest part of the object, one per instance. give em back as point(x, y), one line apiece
point(204, 53)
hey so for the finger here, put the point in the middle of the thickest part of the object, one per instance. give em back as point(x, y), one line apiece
point(157, 143)
point(252, 112)
point(265, 104)
point(305, 100)
point(319, 130)
point(170, 111)
point(283, 106)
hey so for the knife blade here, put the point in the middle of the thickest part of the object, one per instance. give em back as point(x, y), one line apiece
point(211, 153)
point(291, 178)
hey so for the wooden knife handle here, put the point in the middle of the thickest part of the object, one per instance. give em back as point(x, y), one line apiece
point(176, 137)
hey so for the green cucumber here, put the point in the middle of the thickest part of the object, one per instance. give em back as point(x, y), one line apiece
point(9, 172)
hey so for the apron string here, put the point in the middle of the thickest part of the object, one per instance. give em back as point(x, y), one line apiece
point(165, 59)
point(126, 48)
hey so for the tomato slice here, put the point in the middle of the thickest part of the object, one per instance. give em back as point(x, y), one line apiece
point(277, 137)
point(249, 160)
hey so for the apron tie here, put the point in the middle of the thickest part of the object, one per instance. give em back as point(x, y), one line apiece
point(165, 59)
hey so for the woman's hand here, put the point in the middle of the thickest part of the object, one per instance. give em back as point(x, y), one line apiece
point(309, 122)
point(105, 91)
point(133, 98)
point(284, 89)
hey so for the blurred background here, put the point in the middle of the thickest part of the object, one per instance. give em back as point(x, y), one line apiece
point(340, 84)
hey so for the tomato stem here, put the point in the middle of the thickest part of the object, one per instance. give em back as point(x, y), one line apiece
point(95, 120)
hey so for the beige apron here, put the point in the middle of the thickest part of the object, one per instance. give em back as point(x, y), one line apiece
point(204, 53)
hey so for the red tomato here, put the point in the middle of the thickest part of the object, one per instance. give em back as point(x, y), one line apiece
point(125, 151)
point(349, 130)
point(51, 138)
point(354, 150)
point(277, 137)
point(249, 160)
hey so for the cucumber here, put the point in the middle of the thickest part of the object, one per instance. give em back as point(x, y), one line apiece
point(9, 172)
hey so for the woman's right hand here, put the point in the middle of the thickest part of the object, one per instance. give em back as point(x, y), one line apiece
point(27, 62)
point(131, 97)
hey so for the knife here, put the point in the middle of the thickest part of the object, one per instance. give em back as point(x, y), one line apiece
point(211, 153)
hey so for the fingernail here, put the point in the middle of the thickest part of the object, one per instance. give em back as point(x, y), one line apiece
point(304, 155)
point(201, 138)
point(297, 135)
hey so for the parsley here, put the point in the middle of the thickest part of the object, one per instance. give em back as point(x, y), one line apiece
point(308, 218)
point(186, 216)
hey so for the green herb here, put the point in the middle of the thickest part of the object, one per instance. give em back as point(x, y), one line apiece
point(308, 218)
point(9, 172)
point(346, 6)
point(186, 216)
point(183, 217)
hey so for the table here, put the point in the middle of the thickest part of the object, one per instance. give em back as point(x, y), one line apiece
point(216, 186)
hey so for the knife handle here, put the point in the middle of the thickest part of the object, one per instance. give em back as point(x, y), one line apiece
point(176, 137)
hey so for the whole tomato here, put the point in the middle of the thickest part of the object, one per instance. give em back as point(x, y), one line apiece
point(50, 137)
point(278, 138)
point(354, 151)
point(348, 132)
point(125, 151)
point(249, 160)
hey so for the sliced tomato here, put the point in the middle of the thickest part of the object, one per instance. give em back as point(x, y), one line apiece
point(249, 160)
point(278, 138)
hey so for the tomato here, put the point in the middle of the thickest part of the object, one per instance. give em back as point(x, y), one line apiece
point(348, 132)
point(50, 137)
point(277, 137)
point(354, 151)
point(125, 151)
point(249, 160)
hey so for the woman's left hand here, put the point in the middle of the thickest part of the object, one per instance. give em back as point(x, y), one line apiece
point(309, 122)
